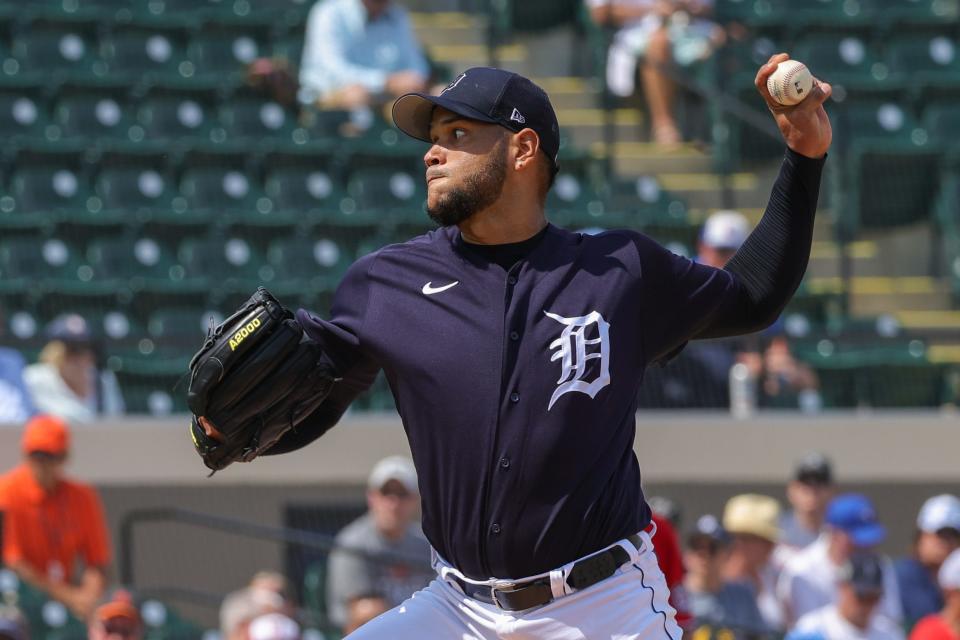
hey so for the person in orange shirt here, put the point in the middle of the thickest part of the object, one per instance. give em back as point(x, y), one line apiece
point(946, 624)
point(50, 521)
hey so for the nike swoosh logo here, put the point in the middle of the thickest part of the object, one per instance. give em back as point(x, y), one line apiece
point(429, 289)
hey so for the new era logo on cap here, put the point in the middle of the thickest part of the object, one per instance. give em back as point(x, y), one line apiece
point(488, 95)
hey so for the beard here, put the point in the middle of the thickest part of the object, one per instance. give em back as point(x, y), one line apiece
point(477, 192)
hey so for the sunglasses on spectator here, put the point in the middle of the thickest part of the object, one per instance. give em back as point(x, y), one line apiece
point(44, 456)
point(395, 492)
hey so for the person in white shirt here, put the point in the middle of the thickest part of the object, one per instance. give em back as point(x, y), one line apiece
point(808, 493)
point(854, 615)
point(809, 580)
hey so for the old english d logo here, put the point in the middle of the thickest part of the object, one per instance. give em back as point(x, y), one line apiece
point(573, 349)
point(455, 82)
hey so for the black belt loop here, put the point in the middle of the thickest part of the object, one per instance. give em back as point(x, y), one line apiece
point(535, 593)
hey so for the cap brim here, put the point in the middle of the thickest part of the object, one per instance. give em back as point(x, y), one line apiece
point(413, 112)
point(868, 535)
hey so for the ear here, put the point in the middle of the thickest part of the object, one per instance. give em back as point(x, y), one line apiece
point(526, 144)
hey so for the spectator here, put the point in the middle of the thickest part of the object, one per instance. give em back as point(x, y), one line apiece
point(713, 600)
point(116, 618)
point(809, 579)
point(66, 382)
point(946, 624)
point(937, 536)
point(662, 33)
point(273, 626)
point(808, 493)
point(13, 625)
point(267, 592)
point(383, 551)
point(699, 376)
point(16, 406)
point(362, 609)
point(52, 521)
point(359, 52)
point(751, 520)
point(785, 382)
point(854, 615)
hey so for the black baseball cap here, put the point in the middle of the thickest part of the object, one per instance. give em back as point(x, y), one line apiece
point(864, 572)
point(814, 468)
point(488, 95)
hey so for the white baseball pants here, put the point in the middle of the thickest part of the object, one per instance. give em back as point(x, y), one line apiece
point(630, 605)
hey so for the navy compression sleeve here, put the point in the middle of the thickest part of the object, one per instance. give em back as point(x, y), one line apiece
point(771, 262)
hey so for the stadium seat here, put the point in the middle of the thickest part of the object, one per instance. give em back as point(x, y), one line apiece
point(225, 189)
point(92, 115)
point(134, 184)
point(178, 331)
point(844, 58)
point(177, 116)
point(220, 53)
point(232, 263)
point(942, 122)
point(139, 53)
point(139, 264)
point(924, 59)
point(307, 264)
point(23, 113)
point(303, 189)
point(48, 184)
point(54, 50)
point(894, 15)
point(258, 121)
point(750, 12)
point(30, 265)
point(387, 190)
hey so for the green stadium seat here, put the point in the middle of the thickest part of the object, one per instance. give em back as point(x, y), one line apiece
point(750, 12)
point(844, 58)
point(134, 184)
point(225, 189)
point(942, 122)
point(178, 331)
point(23, 113)
point(152, 394)
point(220, 53)
point(177, 116)
point(304, 189)
point(255, 119)
point(232, 263)
point(139, 264)
point(141, 53)
point(304, 264)
point(895, 14)
point(48, 184)
point(541, 15)
point(925, 59)
point(829, 13)
point(52, 50)
point(92, 115)
point(738, 60)
point(31, 265)
point(388, 190)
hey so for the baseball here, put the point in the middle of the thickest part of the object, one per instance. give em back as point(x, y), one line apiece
point(790, 83)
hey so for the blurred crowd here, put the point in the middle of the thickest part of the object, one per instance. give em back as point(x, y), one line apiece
point(751, 569)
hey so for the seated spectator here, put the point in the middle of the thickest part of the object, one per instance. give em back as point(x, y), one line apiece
point(714, 601)
point(784, 381)
point(751, 521)
point(384, 551)
point(854, 615)
point(809, 579)
point(13, 624)
point(66, 382)
point(699, 376)
point(937, 536)
point(16, 406)
point(944, 625)
point(362, 609)
point(359, 52)
point(51, 521)
point(662, 33)
point(118, 617)
point(267, 592)
point(273, 626)
point(808, 493)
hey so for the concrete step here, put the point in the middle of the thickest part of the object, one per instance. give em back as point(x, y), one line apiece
point(930, 320)
point(825, 257)
point(464, 56)
point(570, 92)
point(873, 295)
point(904, 251)
point(586, 127)
point(635, 158)
point(943, 353)
point(705, 190)
point(446, 28)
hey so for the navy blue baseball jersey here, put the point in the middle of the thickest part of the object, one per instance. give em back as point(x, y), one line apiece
point(517, 387)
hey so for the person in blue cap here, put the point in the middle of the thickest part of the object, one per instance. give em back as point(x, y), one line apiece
point(515, 349)
point(809, 579)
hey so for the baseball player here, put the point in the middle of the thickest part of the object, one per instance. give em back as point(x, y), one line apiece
point(514, 350)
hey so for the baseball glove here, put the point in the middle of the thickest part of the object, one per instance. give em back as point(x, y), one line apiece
point(255, 377)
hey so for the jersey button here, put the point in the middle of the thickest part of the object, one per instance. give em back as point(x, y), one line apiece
point(512, 280)
point(495, 528)
point(514, 336)
point(514, 397)
point(505, 462)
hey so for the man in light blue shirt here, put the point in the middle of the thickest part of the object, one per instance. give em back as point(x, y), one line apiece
point(358, 50)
